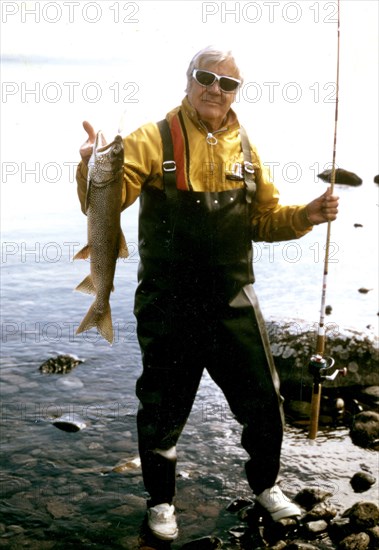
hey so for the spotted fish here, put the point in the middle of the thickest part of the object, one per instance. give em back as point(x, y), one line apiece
point(106, 241)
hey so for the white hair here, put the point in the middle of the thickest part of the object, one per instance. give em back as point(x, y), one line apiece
point(210, 56)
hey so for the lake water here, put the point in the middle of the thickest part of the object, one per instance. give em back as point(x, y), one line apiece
point(57, 487)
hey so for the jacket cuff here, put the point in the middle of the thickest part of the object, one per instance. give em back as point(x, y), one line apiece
point(300, 220)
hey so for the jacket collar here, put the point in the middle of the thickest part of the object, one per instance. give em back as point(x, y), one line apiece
point(231, 121)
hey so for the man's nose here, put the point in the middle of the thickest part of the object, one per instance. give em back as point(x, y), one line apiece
point(215, 87)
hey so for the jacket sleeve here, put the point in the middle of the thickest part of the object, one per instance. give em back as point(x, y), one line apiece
point(272, 221)
point(142, 164)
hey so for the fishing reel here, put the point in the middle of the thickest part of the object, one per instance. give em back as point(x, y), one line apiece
point(320, 368)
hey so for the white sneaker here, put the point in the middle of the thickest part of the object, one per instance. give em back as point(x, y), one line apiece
point(161, 521)
point(277, 504)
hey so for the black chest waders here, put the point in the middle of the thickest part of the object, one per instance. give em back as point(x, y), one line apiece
point(196, 308)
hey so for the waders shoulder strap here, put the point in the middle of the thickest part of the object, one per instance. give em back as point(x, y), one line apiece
point(168, 166)
point(248, 166)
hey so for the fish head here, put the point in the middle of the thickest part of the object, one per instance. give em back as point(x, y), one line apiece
point(106, 160)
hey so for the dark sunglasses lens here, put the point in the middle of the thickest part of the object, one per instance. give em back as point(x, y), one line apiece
point(205, 78)
point(227, 84)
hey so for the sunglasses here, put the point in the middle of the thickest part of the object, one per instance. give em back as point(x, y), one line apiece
point(206, 78)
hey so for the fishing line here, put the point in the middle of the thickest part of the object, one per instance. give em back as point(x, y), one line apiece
point(318, 365)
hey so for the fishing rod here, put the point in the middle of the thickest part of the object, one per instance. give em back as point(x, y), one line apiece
point(319, 366)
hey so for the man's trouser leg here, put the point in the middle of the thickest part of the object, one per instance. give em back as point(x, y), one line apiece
point(166, 390)
point(243, 371)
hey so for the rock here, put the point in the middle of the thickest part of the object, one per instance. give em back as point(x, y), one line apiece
point(309, 497)
point(322, 510)
point(282, 529)
point(58, 509)
point(293, 343)
point(373, 533)
point(239, 503)
point(315, 528)
point(356, 541)
point(364, 431)
point(70, 383)
point(61, 364)
point(362, 481)
point(250, 514)
point(339, 529)
point(342, 176)
point(300, 545)
point(125, 467)
point(363, 515)
point(280, 545)
point(376, 179)
point(369, 396)
point(205, 543)
point(237, 532)
point(70, 422)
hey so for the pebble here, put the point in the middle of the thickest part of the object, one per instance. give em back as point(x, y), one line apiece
point(322, 510)
point(363, 514)
point(69, 422)
point(365, 428)
point(125, 467)
point(309, 497)
point(239, 503)
point(61, 364)
point(356, 541)
point(58, 509)
point(362, 481)
point(300, 545)
point(315, 528)
point(204, 543)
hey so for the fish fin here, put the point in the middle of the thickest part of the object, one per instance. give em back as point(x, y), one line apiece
point(83, 254)
point(102, 320)
point(123, 251)
point(87, 286)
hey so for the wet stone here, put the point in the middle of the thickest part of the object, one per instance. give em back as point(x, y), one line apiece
point(356, 541)
point(362, 481)
point(339, 529)
point(363, 515)
point(373, 533)
point(308, 497)
point(58, 509)
point(300, 545)
point(251, 515)
point(238, 504)
point(315, 528)
point(322, 510)
point(61, 364)
point(205, 543)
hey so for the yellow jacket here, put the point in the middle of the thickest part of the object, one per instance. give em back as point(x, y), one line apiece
point(207, 170)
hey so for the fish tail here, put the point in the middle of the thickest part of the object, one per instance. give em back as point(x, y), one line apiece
point(99, 318)
point(87, 286)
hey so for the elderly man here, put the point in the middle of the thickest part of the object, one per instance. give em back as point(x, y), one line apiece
point(204, 196)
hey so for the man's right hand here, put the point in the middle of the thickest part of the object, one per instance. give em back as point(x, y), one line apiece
point(87, 147)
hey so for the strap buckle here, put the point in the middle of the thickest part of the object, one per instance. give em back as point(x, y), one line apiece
point(169, 166)
point(249, 167)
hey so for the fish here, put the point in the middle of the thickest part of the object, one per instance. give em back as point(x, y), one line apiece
point(106, 241)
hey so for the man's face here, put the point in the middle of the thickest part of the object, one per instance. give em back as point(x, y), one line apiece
point(211, 103)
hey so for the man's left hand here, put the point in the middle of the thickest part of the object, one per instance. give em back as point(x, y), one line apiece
point(323, 209)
